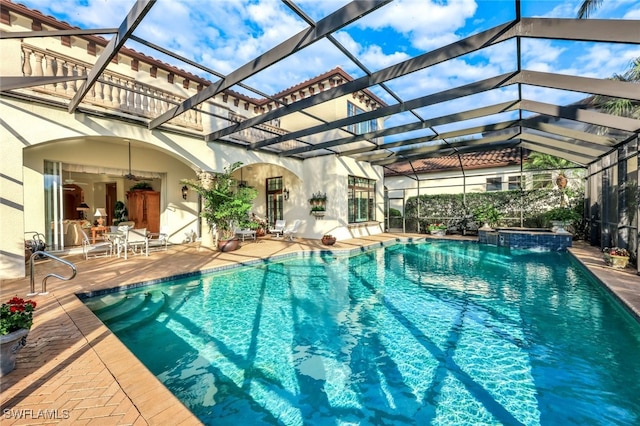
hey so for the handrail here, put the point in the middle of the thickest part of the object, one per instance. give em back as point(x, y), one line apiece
point(44, 281)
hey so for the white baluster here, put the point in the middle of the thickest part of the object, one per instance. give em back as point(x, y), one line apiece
point(26, 62)
point(130, 96)
point(163, 103)
point(91, 94)
point(145, 101)
point(124, 94)
point(49, 72)
point(116, 94)
point(71, 85)
point(60, 87)
point(108, 91)
point(138, 98)
point(38, 72)
point(100, 90)
point(152, 102)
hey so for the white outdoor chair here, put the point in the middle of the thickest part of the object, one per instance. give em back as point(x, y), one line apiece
point(104, 247)
point(291, 231)
point(278, 228)
point(134, 240)
point(159, 240)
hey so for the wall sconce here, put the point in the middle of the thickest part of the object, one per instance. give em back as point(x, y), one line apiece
point(285, 193)
point(185, 192)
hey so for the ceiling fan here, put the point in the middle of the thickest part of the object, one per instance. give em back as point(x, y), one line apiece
point(130, 176)
point(71, 181)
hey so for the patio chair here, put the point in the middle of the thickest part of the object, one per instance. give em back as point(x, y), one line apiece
point(291, 231)
point(278, 228)
point(159, 240)
point(105, 247)
point(134, 240)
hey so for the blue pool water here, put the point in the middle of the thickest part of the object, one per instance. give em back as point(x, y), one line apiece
point(442, 333)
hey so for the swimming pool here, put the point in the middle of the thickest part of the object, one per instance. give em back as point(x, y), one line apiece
point(431, 333)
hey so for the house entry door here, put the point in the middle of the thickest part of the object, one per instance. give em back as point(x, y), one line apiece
point(274, 200)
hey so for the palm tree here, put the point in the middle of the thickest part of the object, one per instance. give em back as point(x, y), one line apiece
point(587, 7)
point(609, 105)
point(540, 161)
point(618, 106)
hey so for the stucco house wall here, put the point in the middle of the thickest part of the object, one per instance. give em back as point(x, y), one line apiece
point(37, 127)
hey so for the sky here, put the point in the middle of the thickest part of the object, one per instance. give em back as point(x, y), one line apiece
point(230, 33)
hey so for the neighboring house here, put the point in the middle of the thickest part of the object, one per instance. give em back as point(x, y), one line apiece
point(58, 168)
point(498, 170)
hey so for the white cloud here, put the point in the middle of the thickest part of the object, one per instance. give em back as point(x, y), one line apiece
point(632, 14)
point(225, 34)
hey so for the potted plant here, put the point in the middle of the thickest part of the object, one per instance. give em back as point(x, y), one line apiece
point(328, 240)
point(16, 318)
point(616, 257)
point(259, 225)
point(141, 186)
point(318, 202)
point(119, 213)
point(437, 229)
point(487, 214)
point(226, 205)
point(561, 217)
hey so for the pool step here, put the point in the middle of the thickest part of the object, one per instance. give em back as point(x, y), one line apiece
point(105, 303)
point(130, 304)
point(153, 305)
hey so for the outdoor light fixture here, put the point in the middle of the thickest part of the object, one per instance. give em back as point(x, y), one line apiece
point(185, 192)
point(285, 192)
point(100, 213)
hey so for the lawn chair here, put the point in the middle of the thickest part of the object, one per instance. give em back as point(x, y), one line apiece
point(105, 247)
point(278, 228)
point(291, 232)
point(159, 240)
point(135, 240)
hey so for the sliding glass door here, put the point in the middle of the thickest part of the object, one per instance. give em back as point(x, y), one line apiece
point(53, 205)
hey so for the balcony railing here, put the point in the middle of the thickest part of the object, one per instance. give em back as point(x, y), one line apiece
point(111, 91)
point(257, 133)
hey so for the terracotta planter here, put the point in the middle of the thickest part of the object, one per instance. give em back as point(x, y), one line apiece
point(228, 245)
point(618, 262)
point(561, 181)
point(328, 241)
point(10, 344)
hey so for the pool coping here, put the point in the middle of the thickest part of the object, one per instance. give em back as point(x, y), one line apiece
point(621, 285)
point(151, 401)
